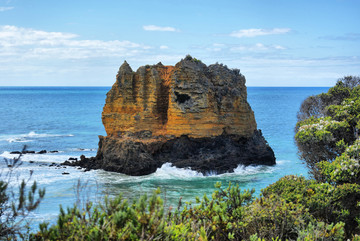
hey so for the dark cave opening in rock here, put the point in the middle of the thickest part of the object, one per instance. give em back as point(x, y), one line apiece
point(181, 98)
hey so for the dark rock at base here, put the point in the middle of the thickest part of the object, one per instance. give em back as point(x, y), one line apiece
point(42, 152)
point(15, 152)
point(220, 154)
point(87, 163)
point(28, 152)
point(73, 159)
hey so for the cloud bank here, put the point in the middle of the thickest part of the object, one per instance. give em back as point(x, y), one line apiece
point(29, 43)
point(254, 32)
point(159, 28)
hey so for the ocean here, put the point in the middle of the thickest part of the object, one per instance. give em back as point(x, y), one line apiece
point(68, 120)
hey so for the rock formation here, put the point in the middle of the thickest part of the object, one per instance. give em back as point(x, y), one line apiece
point(190, 114)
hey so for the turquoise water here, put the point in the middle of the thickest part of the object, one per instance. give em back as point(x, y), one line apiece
point(68, 119)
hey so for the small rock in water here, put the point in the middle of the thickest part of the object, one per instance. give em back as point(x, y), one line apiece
point(65, 173)
point(31, 161)
point(15, 152)
point(53, 151)
point(42, 152)
point(72, 159)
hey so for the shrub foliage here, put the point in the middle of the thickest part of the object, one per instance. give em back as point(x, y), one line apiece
point(16, 205)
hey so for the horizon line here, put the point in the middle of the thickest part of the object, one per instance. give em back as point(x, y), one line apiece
point(90, 86)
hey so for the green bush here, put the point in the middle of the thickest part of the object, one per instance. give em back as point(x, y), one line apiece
point(323, 201)
point(290, 209)
point(15, 206)
point(114, 219)
point(345, 168)
point(325, 136)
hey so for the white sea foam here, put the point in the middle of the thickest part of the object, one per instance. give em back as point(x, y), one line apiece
point(40, 158)
point(17, 140)
point(167, 171)
point(83, 149)
point(30, 137)
point(252, 170)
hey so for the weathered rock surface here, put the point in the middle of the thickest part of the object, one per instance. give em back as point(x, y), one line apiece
point(190, 114)
point(189, 99)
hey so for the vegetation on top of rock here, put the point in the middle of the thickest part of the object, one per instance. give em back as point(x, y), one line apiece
point(189, 58)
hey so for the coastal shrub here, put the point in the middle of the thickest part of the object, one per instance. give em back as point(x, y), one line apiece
point(324, 202)
point(345, 168)
point(321, 139)
point(221, 217)
point(322, 231)
point(313, 106)
point(114, 219)
point(350, 81)
point(316, 105)
point(328, 123)
point(291, 209)
point(16, 205)
point(273, 217)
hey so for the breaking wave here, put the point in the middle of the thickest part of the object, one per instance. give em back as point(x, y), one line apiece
point(39, 158)
point(29, 137)
point(168, 171)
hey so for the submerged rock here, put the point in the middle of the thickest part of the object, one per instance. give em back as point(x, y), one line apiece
point(190, 114)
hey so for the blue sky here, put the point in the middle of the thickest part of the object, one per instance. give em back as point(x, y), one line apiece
point(272, 42)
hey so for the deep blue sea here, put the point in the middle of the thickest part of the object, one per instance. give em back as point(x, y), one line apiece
point(68, 120)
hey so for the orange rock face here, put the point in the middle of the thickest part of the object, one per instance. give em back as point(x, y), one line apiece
point(189, 98)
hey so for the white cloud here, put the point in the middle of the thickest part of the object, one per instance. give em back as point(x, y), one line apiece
point(254, 32)
point(159, 28)
point(164, 47)
point(279, 47)
point(3, 9)
point(258, 47)
point(30, 43)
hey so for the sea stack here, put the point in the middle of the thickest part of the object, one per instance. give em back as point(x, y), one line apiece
point(191, 115)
